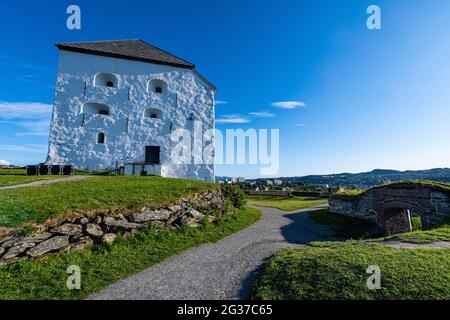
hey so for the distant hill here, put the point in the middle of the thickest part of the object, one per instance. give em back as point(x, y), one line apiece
point(373, 178)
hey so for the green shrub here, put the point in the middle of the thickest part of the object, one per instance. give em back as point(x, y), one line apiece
point(234, 194)
point(416, 223)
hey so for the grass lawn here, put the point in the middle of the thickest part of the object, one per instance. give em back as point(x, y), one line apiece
point(10, 177)
point(14, 171)
point(284, 203)
point(340, 273)
point(104, 264)
point(10, 180)
point(441, 233)
point(36, 204)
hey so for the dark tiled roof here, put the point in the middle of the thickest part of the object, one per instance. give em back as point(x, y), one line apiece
point(127, 49)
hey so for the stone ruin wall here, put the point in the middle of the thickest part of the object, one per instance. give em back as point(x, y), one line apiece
point(431, 204)
point(77, 230)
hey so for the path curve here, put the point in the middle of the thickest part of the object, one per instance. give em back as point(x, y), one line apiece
point(45, 182)
point(225, 269)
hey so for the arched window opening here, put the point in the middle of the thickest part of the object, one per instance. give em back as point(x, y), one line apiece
point(153, 113)
point(95, 108)
point(100, 138)
point(105, 80)
point(157, 86)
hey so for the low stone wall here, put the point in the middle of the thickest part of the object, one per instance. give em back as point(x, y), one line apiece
point(77, 230)
point(380, 204)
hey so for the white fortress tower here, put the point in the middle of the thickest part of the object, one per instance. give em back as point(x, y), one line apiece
point(119, 102)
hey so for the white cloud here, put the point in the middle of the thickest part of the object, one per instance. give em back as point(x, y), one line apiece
point(299, 124)
point(219, 102)
point(34, 128)
point(31, 148)
point(262, 114)
point(4, 163)
point(24, 110)
point(232, 118)
point(288, 104)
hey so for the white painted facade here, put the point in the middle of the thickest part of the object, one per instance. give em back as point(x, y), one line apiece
point(87, 109)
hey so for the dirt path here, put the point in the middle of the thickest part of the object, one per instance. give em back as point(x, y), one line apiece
point(225, 269)
point(45, 182)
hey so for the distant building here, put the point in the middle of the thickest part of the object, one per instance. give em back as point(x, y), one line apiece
point(241, 180)
point(269, 182)
point(278, 182)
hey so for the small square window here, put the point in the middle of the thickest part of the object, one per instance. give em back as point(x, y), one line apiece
point(154, 116)
point(158, 89)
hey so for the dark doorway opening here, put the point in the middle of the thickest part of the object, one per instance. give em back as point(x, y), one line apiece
point(397, 220)
point(152, 154)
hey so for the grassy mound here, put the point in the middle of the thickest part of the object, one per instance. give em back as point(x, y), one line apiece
point(355, 193)
point(104, 264)
point(36, 204)
point(340, 273)
point(441, 233)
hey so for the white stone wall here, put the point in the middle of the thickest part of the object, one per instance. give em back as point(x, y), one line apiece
point(74, 140)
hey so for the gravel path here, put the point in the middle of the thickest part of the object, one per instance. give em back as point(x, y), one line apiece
point(222, 270)
point(227, 269)
point(44, 182)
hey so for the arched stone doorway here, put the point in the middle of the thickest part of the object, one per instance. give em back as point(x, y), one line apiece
point(395, 216)
point(396, 220)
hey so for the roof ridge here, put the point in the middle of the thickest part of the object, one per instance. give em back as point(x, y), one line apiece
point(149, 44)
point(133, 49)
point(97, 41)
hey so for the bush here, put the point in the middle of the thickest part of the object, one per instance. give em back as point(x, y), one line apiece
point(416, 223)
point(234, 194)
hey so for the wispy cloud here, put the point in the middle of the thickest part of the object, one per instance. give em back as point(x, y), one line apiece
point(32, 117)
point(233, 118)
point(34, 128)
point(262, 114)
point(288, 104)
point(299, 124)
point(219, 102)
point(4, 162)
point(24, 110)
point(31, 148)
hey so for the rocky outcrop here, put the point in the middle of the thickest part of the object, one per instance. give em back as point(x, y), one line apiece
point(77, 230)
point(391, 206)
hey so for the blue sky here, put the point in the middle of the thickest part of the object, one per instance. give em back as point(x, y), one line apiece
point(365, 98)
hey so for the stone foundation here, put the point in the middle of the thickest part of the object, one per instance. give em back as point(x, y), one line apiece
point(77, 230)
